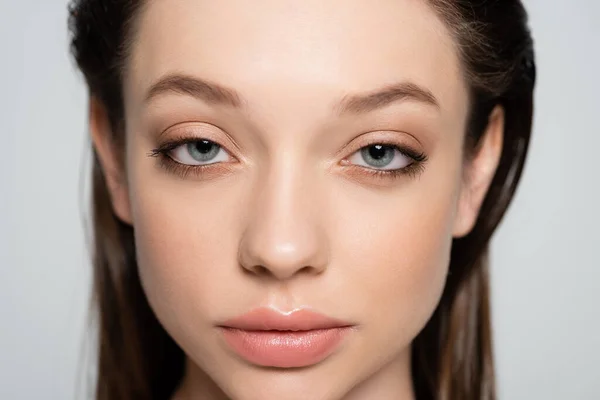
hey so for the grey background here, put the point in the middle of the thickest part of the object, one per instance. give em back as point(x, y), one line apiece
point(545, 274)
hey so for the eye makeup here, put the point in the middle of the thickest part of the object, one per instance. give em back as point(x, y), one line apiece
point(412, 170)
point(169, 163)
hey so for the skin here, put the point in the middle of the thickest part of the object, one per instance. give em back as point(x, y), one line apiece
point(289, 217)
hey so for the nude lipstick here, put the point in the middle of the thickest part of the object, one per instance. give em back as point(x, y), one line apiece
point(270, 338)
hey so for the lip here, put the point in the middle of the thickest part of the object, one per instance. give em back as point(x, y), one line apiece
point(270, 338)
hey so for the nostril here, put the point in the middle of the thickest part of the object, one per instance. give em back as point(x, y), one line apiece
point(307, 269)
point(261, 270)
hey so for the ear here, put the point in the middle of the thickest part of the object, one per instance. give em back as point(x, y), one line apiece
point(108, 155)
point(480, 169)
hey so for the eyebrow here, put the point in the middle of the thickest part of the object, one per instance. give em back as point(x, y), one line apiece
point(214, 93)
point(363, 103)
point(207, 91)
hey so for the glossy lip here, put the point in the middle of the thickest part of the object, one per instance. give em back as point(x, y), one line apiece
point(267, 319)
point(270, 338)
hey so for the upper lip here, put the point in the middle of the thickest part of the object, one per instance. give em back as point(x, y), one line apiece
point(265, 319)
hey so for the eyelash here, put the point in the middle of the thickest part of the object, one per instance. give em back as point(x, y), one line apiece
point(183, 170)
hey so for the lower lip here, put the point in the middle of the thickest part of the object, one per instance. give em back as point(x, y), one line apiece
point(285, 349)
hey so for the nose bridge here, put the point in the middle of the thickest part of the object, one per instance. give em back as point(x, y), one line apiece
point(283, 235)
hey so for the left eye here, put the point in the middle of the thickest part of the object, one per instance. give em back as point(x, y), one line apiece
point(381, 156)
point(199, 152)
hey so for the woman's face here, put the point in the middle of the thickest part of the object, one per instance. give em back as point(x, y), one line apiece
point(289, 205)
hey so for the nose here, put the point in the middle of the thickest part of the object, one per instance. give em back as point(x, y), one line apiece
point(283, 236)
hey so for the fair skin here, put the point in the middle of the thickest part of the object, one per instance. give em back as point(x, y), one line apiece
point(287, 215)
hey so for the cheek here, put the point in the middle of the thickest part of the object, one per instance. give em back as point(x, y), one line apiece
point(182, 246)
point(400, 263)
point(185, 243)
point(396, 252)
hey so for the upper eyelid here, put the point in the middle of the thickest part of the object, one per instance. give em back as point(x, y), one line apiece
point(385, 137)
point(193, 126)
point(401, 147)
point(369, 141)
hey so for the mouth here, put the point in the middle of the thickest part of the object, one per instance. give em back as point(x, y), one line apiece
point(269, 338)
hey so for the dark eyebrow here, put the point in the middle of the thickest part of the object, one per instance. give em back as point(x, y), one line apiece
point(214, 93)
point(363, 103)
point(208, 91)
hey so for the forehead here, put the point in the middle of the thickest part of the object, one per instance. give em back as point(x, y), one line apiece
point(288, 53)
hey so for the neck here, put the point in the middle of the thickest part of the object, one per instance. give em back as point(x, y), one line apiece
point(391, 382)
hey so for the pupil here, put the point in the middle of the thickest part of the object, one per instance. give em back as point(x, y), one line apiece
point(204, 146)
point(377, 151)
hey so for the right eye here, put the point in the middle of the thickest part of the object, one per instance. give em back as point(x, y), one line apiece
point(199, 152)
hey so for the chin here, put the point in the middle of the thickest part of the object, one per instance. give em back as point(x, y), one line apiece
point(287, 384)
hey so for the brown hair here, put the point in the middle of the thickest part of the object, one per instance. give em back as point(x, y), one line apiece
point(452, 356)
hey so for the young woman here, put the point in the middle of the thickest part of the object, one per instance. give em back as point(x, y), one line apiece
point(294, 199)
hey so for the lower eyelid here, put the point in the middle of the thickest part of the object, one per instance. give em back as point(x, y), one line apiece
point(208, 171)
